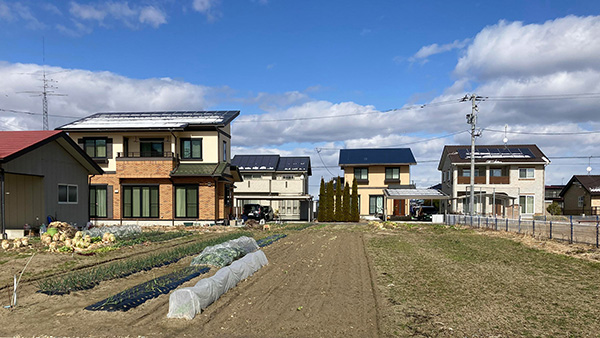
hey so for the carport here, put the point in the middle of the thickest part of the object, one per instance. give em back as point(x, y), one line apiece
point(411, 194)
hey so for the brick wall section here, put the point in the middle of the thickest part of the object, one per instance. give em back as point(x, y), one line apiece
point(111, 179)
point(145, 168)
point(206, 199)
point(211, 198)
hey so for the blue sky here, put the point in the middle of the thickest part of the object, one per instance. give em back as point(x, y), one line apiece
point(276, 59)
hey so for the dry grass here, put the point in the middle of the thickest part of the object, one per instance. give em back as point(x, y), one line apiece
point(440, 281)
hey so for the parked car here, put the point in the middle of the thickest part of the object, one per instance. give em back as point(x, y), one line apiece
point(267, 212)
point(424, 212)
point(253, 211)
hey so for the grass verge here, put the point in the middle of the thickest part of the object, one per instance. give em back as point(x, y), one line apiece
point(440, 281)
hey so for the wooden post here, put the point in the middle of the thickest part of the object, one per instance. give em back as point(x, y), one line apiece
point(550, 229)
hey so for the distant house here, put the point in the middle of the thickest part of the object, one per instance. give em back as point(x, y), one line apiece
point(509, 180)
point(582, 195)
point(552, 195)
point(375, 171)
point(161, 168)
point(276, 181)
point(42, 173)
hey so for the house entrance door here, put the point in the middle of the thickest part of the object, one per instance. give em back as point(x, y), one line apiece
point(399, 208)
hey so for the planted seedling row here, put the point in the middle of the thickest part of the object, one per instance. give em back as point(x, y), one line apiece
point(87, 279)
point(139, 294)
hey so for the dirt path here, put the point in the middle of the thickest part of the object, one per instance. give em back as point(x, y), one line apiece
point(317, 284)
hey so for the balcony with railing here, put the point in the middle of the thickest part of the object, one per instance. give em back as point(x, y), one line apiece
point(467, 180)
point(499, 179)
point(150, 155)
point(145, 164)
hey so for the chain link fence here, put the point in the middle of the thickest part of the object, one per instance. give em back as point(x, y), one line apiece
point(572, 229)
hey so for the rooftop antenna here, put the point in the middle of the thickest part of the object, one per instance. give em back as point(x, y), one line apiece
point(589, 168)
point(505, 139)
point(47, 87)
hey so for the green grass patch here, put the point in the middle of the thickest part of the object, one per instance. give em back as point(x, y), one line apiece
point(88, 278)
point(439, 281)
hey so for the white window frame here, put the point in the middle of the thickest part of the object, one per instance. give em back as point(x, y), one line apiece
point(527, 171)
point(68, 186)
point(580, 201)
point(524, 206)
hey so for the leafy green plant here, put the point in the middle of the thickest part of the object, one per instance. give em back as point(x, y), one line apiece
point(151, 236)
point(89, 278)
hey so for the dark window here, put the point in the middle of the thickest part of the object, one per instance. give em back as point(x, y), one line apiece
point(140, 201)
point(375, 204)
point(186, 201)
point(392, 173)
point(227, 195)
point(98, 201)
point(151, 148)
point(67, 193)
point(224, 151)
point(191, 148)
point(495, 172)
point(95, 147)
point(361, 173)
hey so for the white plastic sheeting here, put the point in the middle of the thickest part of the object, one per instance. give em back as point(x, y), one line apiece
point(187, 302)
point(223, 253)
point(118, 231)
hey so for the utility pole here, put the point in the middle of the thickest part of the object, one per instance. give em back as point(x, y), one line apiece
point(472, 120)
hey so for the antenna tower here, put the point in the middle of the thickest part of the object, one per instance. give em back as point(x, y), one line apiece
point(47, 88)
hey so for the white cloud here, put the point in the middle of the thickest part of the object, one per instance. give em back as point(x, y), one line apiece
point(513, 49)
point(5, 12)
point(90, 92)
point(427, 51)
point(24, 12)
point(87, 12)
point(207, 7)
point(51, 8)
point(108, 13)
point(152, 16)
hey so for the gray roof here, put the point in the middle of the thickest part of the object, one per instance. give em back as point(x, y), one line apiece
point(152, 120)
point(432, 194)
point(376, 156)
point(272, 163)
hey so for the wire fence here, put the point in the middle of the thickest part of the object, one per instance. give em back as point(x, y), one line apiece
point(570, 229)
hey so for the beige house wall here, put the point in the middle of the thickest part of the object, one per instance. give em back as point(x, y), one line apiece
point(211, 201)
point(517, 186)
point(376, 184)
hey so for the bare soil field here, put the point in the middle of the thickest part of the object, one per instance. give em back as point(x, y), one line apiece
point(342, 280)
point(318, 283)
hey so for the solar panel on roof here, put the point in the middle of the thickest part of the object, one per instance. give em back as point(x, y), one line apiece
point(492, 153)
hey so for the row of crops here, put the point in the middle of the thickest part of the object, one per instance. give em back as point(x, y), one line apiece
point(211, 256)
point(89, 278)
point(141, 293)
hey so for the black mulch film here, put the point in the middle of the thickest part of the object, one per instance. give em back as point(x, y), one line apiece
point(151, 289)
point(269, 240)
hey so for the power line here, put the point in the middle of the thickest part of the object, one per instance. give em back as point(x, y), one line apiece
point(544, 133)
point(32, 113)
point(543, 97)
point(413, 142)
point(319, 153)
point(422, 106)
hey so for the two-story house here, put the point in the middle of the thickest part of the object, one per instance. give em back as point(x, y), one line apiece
point(509, 180)
point(375, 171)
point(159, 167)
point(582, 195)
point(275, 181)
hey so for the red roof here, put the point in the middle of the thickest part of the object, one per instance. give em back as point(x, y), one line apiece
point(12, 142)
